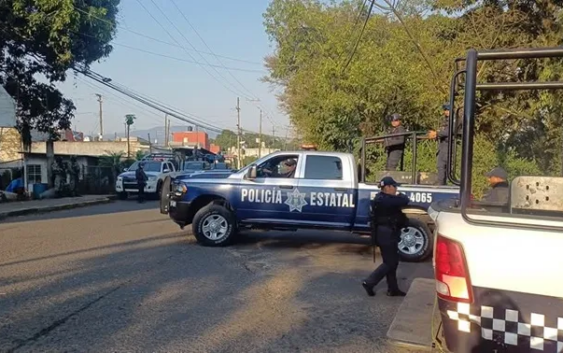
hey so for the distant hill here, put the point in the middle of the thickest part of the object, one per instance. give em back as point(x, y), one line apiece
point(157, 133)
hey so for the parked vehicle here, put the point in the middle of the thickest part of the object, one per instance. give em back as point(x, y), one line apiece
point(324, 193)
point(498, 264)
point(156, 170)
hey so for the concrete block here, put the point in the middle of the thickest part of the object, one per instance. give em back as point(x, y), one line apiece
point(412, 326)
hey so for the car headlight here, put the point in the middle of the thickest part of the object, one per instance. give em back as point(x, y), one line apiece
point(180, 189)
point(152, 178)
point(119, 179)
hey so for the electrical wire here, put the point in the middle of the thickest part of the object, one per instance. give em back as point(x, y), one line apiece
point(187, 52)
point(149, 102)
point(184, 60)
point(160, 40)
point(208, 48)
point(360, 36)
point(356, 21)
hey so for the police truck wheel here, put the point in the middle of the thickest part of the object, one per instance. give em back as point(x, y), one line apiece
point(416, 241)
point(214, 225)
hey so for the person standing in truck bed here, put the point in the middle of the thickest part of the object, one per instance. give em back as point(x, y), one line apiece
point(395, 146)
point(442, 136)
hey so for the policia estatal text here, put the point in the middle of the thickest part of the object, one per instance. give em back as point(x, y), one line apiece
point(387, 220)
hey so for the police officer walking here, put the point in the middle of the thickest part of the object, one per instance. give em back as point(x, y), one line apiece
point(386, 222)
point(395, 146)
point(443, 140)
point(142, 178)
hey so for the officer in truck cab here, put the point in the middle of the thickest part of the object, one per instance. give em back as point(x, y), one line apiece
point(387, 220)
point(289, 166)
point(395, 146)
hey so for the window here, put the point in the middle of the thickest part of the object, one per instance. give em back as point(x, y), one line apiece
point(147, 166)
point(323, 167)
point(34, 173)
point(278, 167)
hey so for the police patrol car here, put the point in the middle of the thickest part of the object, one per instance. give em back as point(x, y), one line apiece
point(498, 266)
point(323, 193)
point(156, 166)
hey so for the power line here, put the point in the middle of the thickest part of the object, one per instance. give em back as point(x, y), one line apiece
point(184, 60)
point(148, 101)
point(208, 48)
point(360, 36)
point(174, 39)
point(160, 40)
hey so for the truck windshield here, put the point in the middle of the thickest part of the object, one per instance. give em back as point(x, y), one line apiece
point(147, 166)
point(194, 166)
point(512, 158)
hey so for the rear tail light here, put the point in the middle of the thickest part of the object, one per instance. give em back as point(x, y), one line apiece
point(452, 276)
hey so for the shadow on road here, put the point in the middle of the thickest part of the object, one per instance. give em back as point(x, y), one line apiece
point(166, 293)
point(130, 205)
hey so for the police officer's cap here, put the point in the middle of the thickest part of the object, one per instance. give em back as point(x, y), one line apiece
point(396, 117)
point(387, 181)
point(446, 106)
point(498, 172)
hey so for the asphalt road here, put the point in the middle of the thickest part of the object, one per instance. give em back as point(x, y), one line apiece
point(121, 277)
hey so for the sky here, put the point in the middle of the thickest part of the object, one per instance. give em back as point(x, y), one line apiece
point(232, 29)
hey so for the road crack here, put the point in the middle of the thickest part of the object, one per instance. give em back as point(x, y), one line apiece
point(45, 331)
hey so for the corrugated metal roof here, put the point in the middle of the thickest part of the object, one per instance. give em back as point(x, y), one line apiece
point(7, 109)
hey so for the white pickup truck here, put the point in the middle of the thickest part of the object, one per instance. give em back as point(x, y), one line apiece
point(498, 265)
point(156, 171)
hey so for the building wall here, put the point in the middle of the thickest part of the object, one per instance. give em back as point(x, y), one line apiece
point(37, 168)
point(93, 148)
point(252, 152)
point(192, 137)
point(10, 145)
point(214, 148)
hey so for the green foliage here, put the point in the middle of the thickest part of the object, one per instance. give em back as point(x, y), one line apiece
point(130, 119)
point(227, 139)
point(140, 154)
point(403, 64)
point(49, 37)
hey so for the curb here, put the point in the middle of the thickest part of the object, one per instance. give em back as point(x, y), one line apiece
point(47, 209)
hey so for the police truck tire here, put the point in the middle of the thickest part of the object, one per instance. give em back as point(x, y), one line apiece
point(416, 241)
point(214, 225)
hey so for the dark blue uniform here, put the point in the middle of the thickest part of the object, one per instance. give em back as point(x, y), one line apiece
point(395, 147)
point(141, 183)
point(387, 222)
point(443, 140)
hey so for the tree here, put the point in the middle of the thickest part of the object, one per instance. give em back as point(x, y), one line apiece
point(403, 63)
point(226, 139)
point(49, 37)
point(129, 120)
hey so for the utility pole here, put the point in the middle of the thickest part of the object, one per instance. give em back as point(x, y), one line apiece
point(100, 100)
point(165, 130)
point(239, 164)
point(260, 135)
point(150, 143)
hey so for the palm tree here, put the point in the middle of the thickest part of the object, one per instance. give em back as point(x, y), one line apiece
point(129, 120)
point(112, 160)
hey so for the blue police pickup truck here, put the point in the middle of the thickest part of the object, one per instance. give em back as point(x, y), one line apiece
point(292, 191)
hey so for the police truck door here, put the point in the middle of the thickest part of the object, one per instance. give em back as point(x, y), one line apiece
point(273, 196)
point(328, 182)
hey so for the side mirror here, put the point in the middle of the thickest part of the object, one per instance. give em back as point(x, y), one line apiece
point(251, 174)
point(166, 170)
